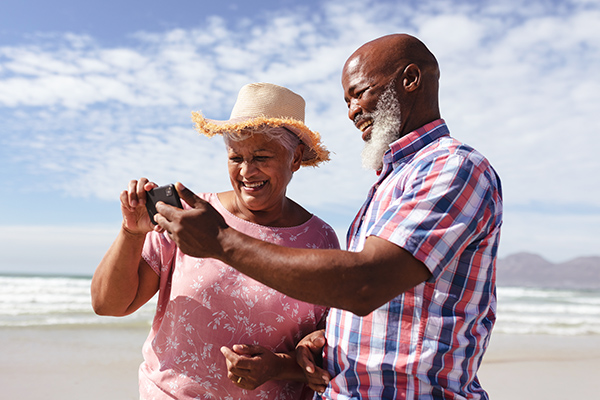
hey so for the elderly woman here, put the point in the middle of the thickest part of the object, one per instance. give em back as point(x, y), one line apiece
point(204, 306)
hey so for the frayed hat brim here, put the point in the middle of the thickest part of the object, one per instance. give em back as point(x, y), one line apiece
point(314, 154)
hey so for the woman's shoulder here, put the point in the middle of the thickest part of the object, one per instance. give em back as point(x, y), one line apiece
point(209, 197)
point(316, 222)
point(318, 234)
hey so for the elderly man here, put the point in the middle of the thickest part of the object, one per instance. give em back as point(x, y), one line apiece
point(413, 300)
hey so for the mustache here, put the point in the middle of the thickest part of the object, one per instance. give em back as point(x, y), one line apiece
point(361, 115)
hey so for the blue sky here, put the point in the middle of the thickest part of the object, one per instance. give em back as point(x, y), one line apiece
point(95, 93)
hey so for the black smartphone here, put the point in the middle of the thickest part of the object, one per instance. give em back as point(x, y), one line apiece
point(167, 194)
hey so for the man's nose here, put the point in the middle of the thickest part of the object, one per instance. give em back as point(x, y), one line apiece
point(354, 109)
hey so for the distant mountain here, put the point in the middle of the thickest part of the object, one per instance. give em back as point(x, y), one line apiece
point(532, 270)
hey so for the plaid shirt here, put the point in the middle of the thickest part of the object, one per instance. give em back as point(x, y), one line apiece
point(441, 201)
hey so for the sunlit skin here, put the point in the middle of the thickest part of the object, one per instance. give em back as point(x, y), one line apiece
point(362, 88)
point(370, 70)
point(260, 170)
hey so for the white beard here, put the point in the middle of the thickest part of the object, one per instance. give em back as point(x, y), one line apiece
point(385, 129)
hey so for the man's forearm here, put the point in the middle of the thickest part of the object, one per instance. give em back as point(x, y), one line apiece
point(300, 273)
point(354, 281)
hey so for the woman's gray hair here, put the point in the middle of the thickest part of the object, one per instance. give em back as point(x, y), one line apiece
point(284, 136)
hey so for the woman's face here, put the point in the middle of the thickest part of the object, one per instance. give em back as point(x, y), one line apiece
point(260, 170)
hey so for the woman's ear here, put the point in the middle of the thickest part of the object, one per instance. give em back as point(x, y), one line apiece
point(298, 155)
point(411, 78)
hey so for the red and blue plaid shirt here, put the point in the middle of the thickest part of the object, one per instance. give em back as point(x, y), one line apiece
point(441, 201)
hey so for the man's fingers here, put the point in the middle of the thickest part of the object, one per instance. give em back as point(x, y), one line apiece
point(318, 380)
point(164, 216)
point(187, 195)
point(314, 340)
point(309, 348)
point(319, 339)
point(304, 358)
point(166, 210)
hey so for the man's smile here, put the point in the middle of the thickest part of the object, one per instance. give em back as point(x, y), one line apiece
point(364, 126)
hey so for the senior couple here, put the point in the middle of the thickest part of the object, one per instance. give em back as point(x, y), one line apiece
point(255, 298)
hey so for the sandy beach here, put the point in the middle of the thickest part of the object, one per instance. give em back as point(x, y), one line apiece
point(544, 367)
point(101, 363)
point(92, 363)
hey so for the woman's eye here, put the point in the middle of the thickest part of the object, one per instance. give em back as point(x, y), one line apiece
point(236, 159)
point(261, 158)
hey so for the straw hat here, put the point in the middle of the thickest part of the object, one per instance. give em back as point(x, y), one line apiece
point(268, 105)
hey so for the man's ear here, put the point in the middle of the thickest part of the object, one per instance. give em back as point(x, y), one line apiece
point(412, 77)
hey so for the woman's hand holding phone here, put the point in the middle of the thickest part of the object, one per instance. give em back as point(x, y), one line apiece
point(133, 207)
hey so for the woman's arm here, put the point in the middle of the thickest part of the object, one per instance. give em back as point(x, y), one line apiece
point(124, 281)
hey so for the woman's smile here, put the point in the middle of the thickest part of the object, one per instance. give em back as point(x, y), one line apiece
point(253, 186)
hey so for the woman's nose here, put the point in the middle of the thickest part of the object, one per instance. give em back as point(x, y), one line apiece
point(247, 169)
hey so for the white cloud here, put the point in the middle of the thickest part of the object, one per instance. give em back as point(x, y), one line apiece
point(452, 34)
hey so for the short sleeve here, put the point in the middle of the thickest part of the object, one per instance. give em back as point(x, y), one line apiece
point(443, 205)
point(158, 251)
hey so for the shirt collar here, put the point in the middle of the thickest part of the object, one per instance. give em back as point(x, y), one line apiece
point(415, 140)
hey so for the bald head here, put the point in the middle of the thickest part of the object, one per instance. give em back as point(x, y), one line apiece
point(391, 52)
point(402, 61)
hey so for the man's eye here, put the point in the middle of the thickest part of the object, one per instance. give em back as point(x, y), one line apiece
point(236, 159)
point(261, 158)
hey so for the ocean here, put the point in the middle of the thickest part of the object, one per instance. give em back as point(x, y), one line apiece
point(30, 301)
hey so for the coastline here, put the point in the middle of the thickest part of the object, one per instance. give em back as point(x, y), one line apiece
point(101, 362)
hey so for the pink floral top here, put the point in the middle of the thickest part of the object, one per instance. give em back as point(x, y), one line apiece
point(204, 304)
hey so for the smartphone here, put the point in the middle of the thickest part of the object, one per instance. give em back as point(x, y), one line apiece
point(167, 194)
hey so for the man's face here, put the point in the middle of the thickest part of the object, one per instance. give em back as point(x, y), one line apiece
point(373, 105)
point(363, 81)
point(384, 129)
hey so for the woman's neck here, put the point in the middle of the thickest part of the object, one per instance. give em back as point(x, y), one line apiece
point(286, 213)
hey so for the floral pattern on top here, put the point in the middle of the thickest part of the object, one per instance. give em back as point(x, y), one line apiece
point(204, 304)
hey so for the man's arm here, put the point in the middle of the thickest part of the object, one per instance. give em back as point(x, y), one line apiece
point(358, 282)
